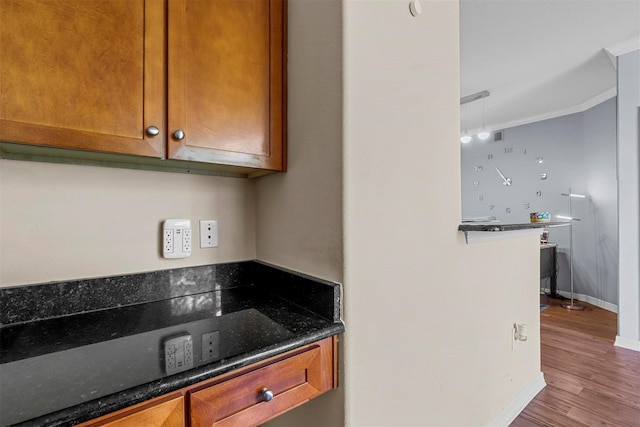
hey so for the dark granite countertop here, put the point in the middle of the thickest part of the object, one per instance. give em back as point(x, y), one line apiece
point(508, 226)
point(67, 365)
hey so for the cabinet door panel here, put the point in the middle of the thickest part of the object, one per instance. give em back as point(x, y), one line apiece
point(169, 413)
point(226, 81)
point(74, 74)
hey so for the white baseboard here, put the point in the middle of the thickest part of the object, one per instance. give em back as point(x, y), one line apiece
point(591, 300)
point(627, 343)
point(521, 401)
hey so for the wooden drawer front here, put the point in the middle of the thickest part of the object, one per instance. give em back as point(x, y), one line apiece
point(166, 413)
point(237, 401)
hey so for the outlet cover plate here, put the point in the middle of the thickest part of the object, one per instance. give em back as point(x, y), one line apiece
point(208, 234)
point(176, 238)
point(210, 346)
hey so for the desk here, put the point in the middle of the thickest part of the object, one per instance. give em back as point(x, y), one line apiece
point(548, 266)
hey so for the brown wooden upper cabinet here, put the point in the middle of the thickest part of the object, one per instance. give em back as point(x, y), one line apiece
point(199, 80)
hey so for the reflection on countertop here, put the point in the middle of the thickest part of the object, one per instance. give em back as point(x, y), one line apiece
point(64, 369)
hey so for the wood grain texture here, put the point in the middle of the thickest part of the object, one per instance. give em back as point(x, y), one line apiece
point(589, 381)
point(294, 379)
point(74, 74)
point(232, 399)
point(166, 411)
point(226, 81)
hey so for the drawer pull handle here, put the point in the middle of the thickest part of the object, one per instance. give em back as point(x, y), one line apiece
point(266, 395)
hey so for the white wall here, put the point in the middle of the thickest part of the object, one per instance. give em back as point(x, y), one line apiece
point(300, 212)
point(64, 222)
point(428, 318)
point(629, 198)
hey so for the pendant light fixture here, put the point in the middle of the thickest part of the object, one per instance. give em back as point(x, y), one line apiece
point(483, 135)
point(465, 138)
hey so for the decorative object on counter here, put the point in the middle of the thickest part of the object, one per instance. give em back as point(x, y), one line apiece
point(540, 217)
point(570, 218)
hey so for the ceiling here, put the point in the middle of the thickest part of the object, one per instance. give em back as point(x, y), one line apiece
point(540, 58)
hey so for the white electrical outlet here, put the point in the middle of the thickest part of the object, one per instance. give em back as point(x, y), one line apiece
point(176, 242)
point(209, 234)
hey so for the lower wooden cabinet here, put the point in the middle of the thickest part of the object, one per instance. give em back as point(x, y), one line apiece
point(258, 396)
point(246, 397)
point(167, 411)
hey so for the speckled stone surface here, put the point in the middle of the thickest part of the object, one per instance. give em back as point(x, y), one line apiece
point(505, 226)
point(39, 301)
point(60, 371)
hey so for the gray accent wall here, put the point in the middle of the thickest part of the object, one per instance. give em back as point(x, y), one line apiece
point(576, 151)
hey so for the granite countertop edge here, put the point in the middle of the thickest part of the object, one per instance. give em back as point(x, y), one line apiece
point(320, 299)
point(499, 226)
point(96, 408)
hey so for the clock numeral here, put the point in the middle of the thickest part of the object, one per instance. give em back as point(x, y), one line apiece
point(543, 176)
point(491, 207)
point(508, 150)
point(478, 168)
point(527, 205)
point(508, 210)
point(480, 197)
point(490, 156)
point(539, 193)
point(525, 151)
point(539, 160)
point(476, 183)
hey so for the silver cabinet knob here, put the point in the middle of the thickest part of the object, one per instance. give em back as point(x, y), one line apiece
point(179, 134)
point(152, 131)
point(266, 395)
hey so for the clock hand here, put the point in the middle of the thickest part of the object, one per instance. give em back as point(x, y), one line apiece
point(507, 181)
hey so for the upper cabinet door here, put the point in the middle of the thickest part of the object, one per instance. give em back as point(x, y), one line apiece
point(83, 74)
point(226, 82)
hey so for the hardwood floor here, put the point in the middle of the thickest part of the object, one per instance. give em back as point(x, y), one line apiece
point(589, 381)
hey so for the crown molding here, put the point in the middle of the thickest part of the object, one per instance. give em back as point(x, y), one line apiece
point(584, 106)
point(624, 47)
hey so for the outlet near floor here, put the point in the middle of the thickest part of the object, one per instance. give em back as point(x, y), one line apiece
point(208, 234)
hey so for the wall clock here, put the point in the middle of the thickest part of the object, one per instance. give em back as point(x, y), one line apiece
point(506, 181)
point(509, 163)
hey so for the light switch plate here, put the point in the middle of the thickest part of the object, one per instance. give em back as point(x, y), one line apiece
point(176, 238)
